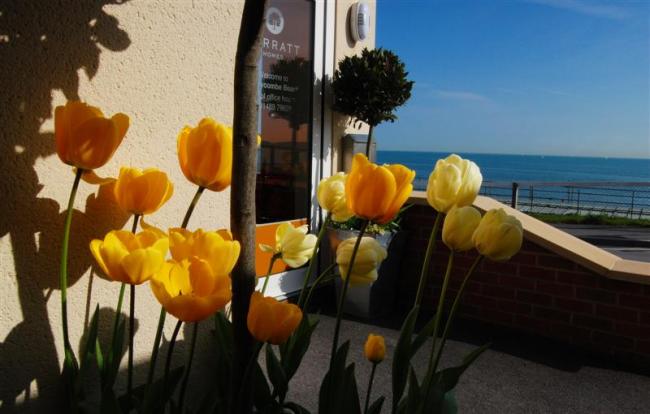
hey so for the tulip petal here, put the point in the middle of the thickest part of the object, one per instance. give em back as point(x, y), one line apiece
point(93, 143)
point(201, 277)
point(142, 264)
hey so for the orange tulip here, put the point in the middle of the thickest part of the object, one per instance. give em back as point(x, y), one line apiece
point(377, 192)
point(196, 282)
point(142, 192)
point(130, 258)
point(84, 137)
point(272, 321)
point(375, 348)
point(205, 154)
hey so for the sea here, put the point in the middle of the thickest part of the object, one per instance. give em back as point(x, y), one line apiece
point(507, 168)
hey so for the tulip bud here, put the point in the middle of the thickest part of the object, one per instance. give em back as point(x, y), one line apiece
point(498, 235)
point(130, 258)
point(142, 192)
point(460, 224)
point(375, 348)
point(331, 197)
point(367, 261)
point(292, 244)
point(270, 320)
point(453, 182)
point(205, 154)
point(84, 138)
point(377, 192)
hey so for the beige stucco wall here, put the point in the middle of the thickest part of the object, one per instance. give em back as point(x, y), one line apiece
point(344, 46)
point(165, 64)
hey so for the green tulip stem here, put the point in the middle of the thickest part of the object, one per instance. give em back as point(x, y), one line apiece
point(129, 386)
point(118, 312)
point(170, 352)
point(193, 204)
point(441, 303)
point(452, 312)
point(163, 313)
point(195, 331)
point(268, 274)
point(344, 291)
point(370, 381)
point(316, 283)
point(63, 272)
point(156, 345)
point(431, 247)
point(312, 261)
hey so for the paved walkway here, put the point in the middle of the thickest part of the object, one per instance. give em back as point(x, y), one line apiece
point(626, 242)
point(517, 375)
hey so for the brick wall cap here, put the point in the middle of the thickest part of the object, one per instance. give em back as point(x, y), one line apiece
point(564, 244)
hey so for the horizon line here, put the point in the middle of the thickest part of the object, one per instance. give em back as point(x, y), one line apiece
point(527, 155)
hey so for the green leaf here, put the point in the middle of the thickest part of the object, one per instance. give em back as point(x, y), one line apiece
point(449, 404)
point(294, 350)
point(375, 407)
point(223, 334)
point(329, 397)
point(422, 337)
point(109, 403)
point(115, 354)
point(296, 408)
point(445, 380)
point(158, 393)
point(402, 356)
point(351, 403)
point(276, 373)
point(413, 396)
point(261, 391)
point(90, 346)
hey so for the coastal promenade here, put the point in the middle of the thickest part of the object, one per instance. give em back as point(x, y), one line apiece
point(628, 242)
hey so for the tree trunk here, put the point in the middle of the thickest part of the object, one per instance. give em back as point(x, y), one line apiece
point(242, 202)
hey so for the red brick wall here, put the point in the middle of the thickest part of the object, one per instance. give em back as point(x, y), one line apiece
point(537, 291)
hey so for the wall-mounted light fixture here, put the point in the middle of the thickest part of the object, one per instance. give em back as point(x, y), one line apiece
point(360, 20)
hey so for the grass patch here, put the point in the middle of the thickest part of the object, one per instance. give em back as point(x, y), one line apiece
point(590, 219)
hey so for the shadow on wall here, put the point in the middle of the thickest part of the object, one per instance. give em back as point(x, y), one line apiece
point(42, 46)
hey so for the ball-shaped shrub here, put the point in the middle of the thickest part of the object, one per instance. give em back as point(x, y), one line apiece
point(371, 86)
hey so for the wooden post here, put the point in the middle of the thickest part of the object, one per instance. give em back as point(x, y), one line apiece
point(242, 195)
point(515, 195)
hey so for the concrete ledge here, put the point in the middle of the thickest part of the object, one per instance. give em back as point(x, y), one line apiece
point(564, 244)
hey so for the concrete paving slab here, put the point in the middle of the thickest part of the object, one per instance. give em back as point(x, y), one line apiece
point(514, 376)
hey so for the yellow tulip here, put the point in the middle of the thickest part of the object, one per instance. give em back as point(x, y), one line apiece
point(498, 235)
point(367, 261)
point(454, 182)
point(377, 192)
point(375, 348)
point(272, 321)
point(84, 138)
point(459, 227)
point(205, 154)
point(130, 258)
point(292, 244)
point(142, 192)
point(331, 197)
point(196, 282)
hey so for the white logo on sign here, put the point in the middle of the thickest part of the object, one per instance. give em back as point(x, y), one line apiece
point(274, 20)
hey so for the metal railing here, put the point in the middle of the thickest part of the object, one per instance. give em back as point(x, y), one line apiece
point(621, 199)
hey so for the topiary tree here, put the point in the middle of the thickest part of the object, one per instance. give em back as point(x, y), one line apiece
point(369, 88)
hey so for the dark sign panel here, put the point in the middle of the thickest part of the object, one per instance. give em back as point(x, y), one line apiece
point(283, 181)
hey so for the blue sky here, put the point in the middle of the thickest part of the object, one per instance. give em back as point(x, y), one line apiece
point(558, 77)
